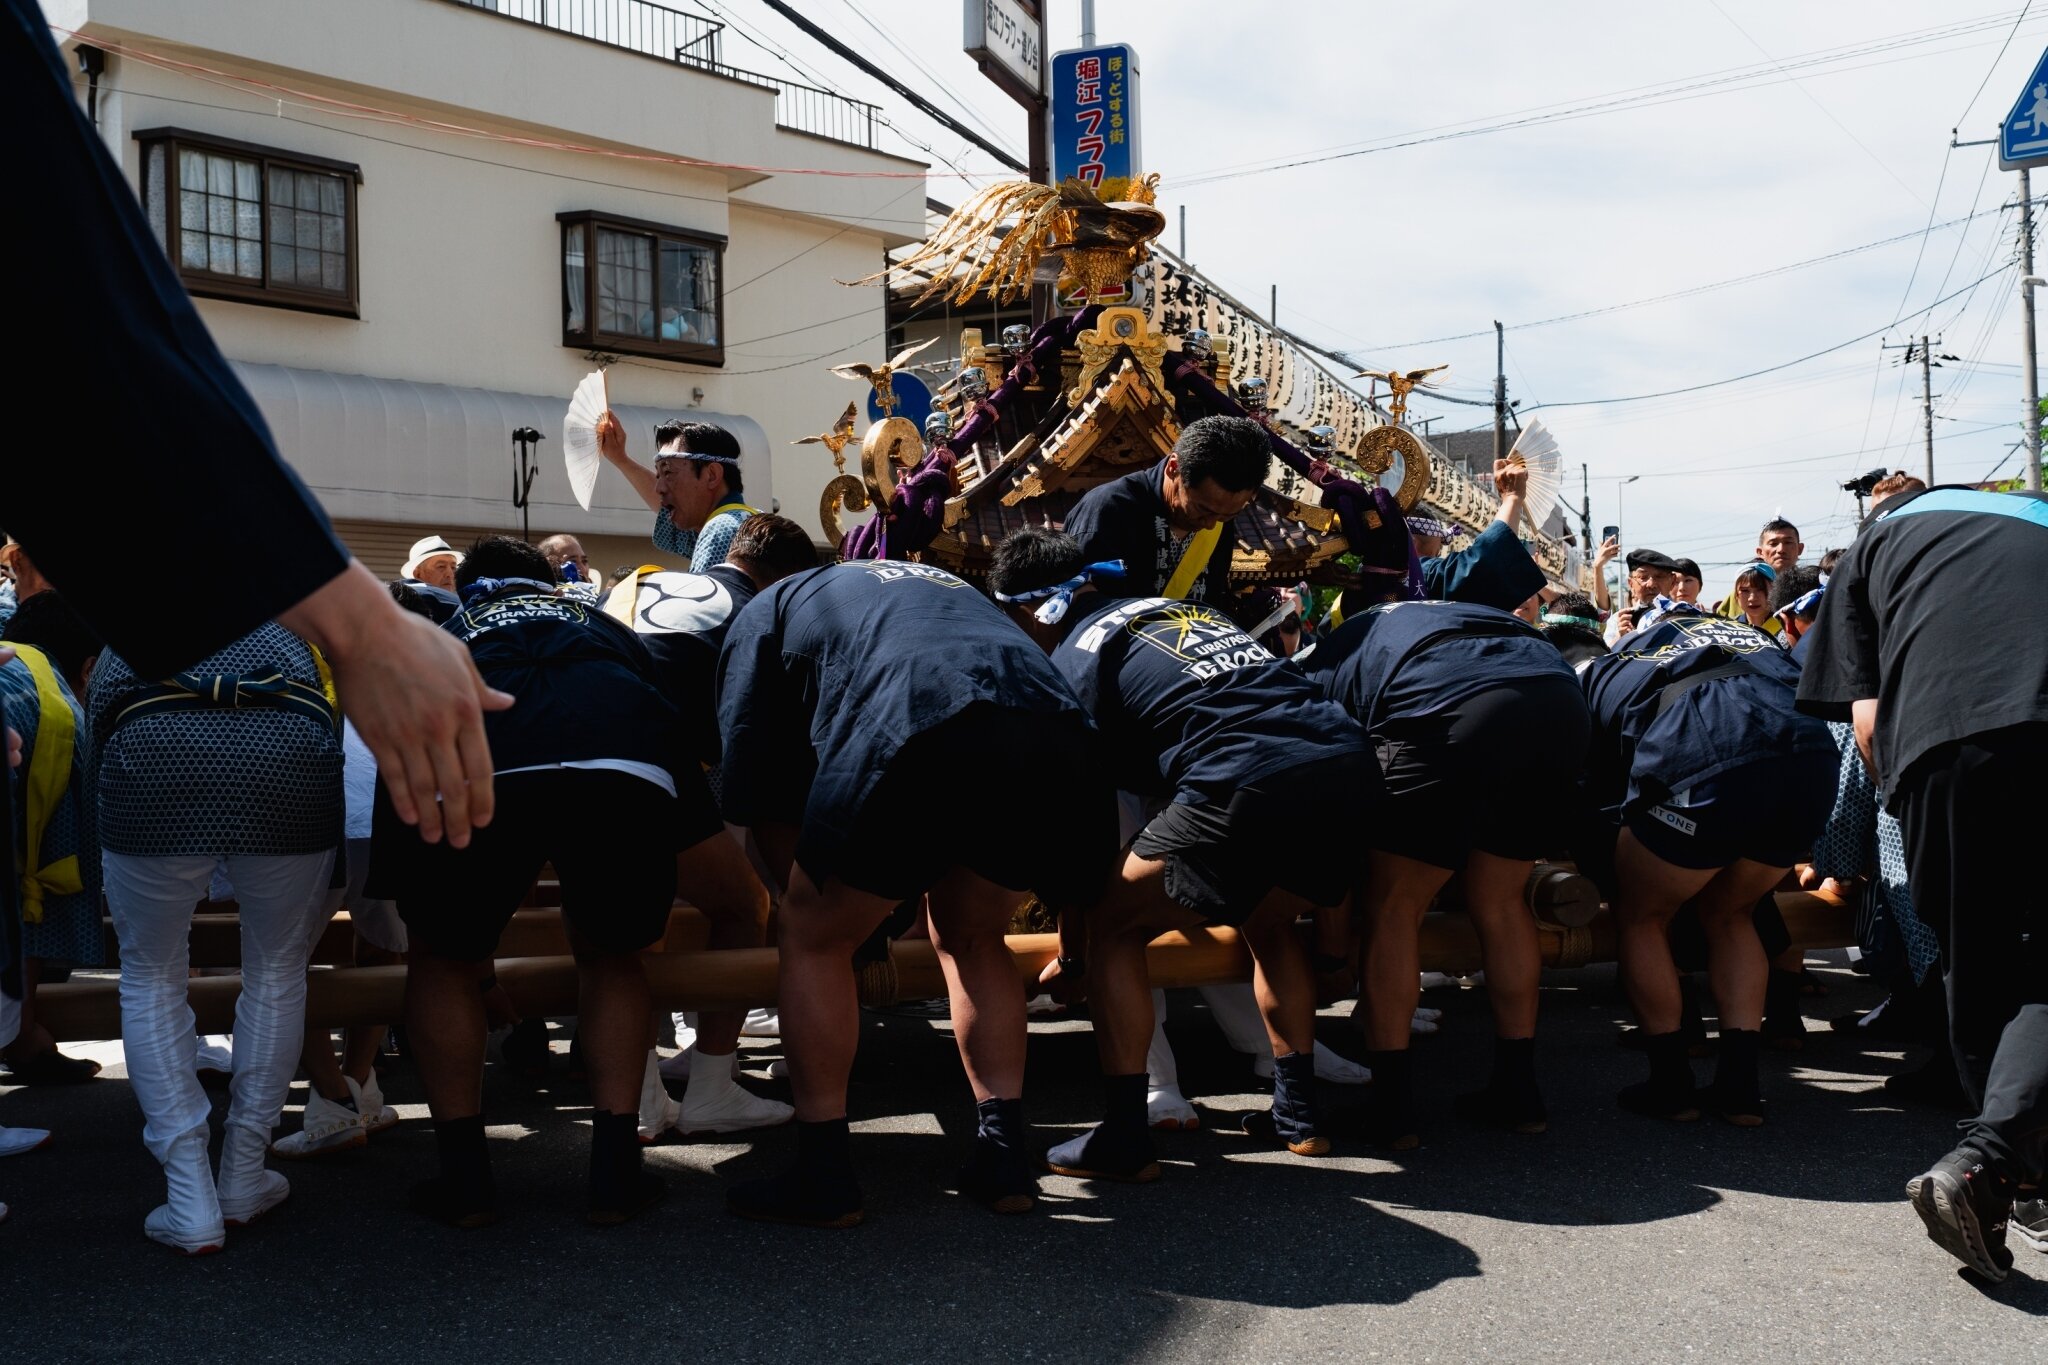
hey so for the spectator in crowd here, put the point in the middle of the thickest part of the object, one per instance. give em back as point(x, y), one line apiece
point(1495, 570)
point(1794, 602)
point(1891, 486)
point(566, 557)
point(695, 488)
point(591, 731)
point(1481, 728)
point(1687, 588)
point(1829, 560)
point(1779, 545)
point(1752, 597)
point(1571, 608)
point(1711, 786)
point(682, 619)
point(846, 699)
point(1956, 750)
point(21, 578)
point(1235, 750)
point(1171, 524)
point(235, 764)
point(60, 878)
point(432, 561)
point(1651, 574)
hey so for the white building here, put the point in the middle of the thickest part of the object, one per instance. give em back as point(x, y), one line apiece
point(412, 224)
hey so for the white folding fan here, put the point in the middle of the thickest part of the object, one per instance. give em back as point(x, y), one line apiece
point(1537, 451)
point(579, 435)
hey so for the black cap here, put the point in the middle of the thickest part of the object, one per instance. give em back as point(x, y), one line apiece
point(1652, 559)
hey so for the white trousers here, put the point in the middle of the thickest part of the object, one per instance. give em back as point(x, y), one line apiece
point(152, 900)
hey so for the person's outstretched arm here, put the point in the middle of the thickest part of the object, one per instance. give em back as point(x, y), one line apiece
point(611, 443)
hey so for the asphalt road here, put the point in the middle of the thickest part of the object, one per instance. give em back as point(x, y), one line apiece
point(1610, 1238)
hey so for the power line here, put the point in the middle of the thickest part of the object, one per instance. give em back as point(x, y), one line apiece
point(1744, 78)
point(1768, 369)
point(1994, 64)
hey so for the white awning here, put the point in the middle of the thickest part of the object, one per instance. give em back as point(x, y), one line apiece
point(432, 454)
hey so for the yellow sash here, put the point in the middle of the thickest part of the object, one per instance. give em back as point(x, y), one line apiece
point(724, 507)
point(1201, 548)
point(49, 777)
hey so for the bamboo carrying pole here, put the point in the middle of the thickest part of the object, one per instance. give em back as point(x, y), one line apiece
point(687, 975)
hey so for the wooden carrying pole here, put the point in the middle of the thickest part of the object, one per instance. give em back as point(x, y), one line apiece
point(686, 975)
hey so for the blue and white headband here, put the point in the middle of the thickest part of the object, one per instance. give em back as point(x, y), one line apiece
point(1060, 596)
point(1806, 604)
point(485, 586)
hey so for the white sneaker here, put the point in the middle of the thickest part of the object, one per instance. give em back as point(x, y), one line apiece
point(761, 1023)
point(15, 1141)
point(778, 1070)
point(1167, 1108)
point(685, 1022)
point(369, 1098)
point(716, 1103)
point(247, 1190)
point(658, 1109)
point(1330, 1066)
point(326, 1127)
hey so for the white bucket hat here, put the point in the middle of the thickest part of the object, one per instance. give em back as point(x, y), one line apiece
point(424, 550)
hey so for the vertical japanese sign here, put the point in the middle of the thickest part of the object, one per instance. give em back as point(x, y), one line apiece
point(1094, 112)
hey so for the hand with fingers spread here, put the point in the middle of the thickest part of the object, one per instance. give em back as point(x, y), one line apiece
point(415, 698)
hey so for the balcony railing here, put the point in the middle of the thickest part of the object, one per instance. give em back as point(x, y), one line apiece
point(694, 40)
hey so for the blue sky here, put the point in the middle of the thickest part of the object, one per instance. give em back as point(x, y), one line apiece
point(1816, 150)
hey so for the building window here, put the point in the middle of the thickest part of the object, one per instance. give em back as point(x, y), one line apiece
point(642, 289)
point(253, 223)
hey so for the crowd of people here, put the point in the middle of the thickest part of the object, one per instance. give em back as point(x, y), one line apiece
point(779, 741)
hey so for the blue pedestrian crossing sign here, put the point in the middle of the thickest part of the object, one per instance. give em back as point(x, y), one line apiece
point(2023, 140)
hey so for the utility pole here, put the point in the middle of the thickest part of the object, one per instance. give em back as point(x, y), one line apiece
point(1183, 232)
point(1927, 403)
point(1500, 392)
point(1044, 297)
point(1586, 512)
point(1273, 309)
point(2030, 367)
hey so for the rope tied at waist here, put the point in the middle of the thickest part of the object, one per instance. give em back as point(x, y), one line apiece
point(231, 691)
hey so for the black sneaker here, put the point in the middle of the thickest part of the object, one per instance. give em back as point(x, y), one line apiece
point(998, 1178)
point(1519, 1110)
point(1933, 1082)
point(1107, 1152)
point(2030, 1221)
point(804, 1198)
point(1966, 1206)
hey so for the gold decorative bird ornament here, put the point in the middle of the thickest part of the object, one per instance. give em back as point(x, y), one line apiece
point(880, 375)
point(1401, 383)
point(834, 440)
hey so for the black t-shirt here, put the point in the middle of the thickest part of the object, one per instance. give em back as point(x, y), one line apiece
point(1190, 705)
point(1402, 659)
point(1643, 749)
point(1937, 612)
point(1126, 519)
point(1495, 570)
point(825, 675)
point(585, 684)
point(682, 618)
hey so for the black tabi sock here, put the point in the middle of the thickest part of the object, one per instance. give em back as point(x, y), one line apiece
point(1736, 1071)
point(1514, 1063)
point(1123, 1100)
point(1781, 995)
point(1296, 1071)
point(1393, 1080)
point(1669, 1066)
point(465, 1159)
point(823, 1146)
point(1000, 1122)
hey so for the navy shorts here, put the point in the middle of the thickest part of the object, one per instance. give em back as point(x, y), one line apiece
point(1016, 797)
point(1768, 812)
point(1496, 772)
point(1223, 857)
